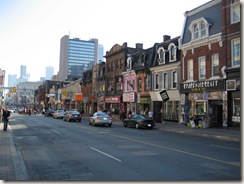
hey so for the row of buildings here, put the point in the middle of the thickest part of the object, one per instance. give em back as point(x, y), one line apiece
point(195, 73)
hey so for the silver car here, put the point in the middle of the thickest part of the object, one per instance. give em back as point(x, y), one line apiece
point(100, 118)
point(58, 114)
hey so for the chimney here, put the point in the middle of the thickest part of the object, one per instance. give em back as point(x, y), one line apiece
point(166, 37)
point(139, 45)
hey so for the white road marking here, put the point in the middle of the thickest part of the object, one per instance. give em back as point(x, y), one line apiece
point(106, 154)
point(224, 147)
point(55, 131)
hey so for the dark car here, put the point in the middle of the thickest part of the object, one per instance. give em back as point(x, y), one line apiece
point(49, 113)
point(100, 118)
point(72, 116)
point(139, 121)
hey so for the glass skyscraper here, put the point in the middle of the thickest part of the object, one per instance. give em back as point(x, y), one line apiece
point(76, 57)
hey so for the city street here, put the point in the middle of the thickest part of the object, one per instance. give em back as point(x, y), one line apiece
point(53, 149)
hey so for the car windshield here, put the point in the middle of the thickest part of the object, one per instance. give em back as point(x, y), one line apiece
point(102, 114)
point(138, 116)
point(74, 112)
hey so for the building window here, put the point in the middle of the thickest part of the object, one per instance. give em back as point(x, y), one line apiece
point(147, 82)
point(172, 52)
point(129, 63)
point(202, 67)
point(199, 29)
point(139, 84)
point(174, 79)
point(161, 55)
point(190, 69)
point(235, 11)
point(235, 52)
point(215, 65)
point(156, 81)
point(165, 84)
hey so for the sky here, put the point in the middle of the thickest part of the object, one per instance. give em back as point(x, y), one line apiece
point(30, 30)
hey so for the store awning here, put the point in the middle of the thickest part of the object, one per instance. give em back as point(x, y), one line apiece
point(155, 96)
point(174, 95)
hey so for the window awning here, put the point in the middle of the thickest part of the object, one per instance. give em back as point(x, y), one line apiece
point(155, 96)
point(174, 95)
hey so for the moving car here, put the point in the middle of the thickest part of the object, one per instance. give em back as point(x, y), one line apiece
point(72, 116)
point(100, 118)
point(139, 121)
point(58, 114)
point(49, 113)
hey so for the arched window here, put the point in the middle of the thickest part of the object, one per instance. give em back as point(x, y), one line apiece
point(172, 52)
point(161, 55)
point(199, 28)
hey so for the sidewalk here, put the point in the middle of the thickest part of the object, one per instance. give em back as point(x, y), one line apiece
point(11, 166)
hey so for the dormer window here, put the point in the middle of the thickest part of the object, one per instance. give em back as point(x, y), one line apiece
point(161, 55)
point(199, 29)
point(172, 52)
point(129, 63)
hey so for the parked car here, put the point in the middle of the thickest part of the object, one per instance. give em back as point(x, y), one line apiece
point(58, 114)
point(139, 121)
point(100, 118)
point(72, 116)
point(49, 113)
point(21, 111)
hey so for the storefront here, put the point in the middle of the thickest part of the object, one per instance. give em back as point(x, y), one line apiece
point(207, 100)
point(129, 100)
point(143, 104)
point(113, 105)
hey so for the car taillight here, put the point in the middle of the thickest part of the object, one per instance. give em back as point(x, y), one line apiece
point(111, 118)
point(142, 120)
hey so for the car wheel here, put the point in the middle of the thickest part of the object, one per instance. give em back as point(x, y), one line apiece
point(137, 126)
point(125, 124)
point(110, 125)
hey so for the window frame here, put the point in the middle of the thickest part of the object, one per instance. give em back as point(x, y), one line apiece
point(190, 71)
point(165, 80)
point(161, 60)
point(174, 79)
point(233, 6)
point(201, 67)
point(233, 52)
point(213, 60)
point(170, 47)
point(197, 29)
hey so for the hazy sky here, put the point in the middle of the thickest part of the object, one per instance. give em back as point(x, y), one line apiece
point(30, 30)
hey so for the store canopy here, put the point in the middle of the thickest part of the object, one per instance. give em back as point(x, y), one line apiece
point(174, 95)
point(155, 96)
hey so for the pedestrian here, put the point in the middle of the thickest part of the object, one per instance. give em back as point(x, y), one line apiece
point(150, 114)
point(5, 117)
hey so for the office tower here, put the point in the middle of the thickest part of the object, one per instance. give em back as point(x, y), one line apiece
point(49, 72)
point(22, 72)
point(100, 53)
point(76, 56)
point(12, 80)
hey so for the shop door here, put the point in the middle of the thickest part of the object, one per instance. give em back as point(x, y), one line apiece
point(157, 114)
point(216, 116)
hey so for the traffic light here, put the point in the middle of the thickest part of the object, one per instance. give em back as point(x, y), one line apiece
point(14, 89)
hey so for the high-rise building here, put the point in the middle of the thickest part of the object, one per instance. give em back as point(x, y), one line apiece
point(23, 72)
point(49, 72)
point(12, 80)
point(100, 53)
point(76, 56)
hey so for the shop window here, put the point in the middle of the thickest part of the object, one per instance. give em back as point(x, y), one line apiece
point(236, 110)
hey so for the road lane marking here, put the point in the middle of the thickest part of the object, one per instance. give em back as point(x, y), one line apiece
point(224, 147)
point(55, 131)
point(110, 156)
point(179, 151)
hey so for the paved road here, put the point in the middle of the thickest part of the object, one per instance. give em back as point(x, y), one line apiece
point(51, 149)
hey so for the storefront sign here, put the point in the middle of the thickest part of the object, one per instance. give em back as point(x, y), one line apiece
point(112, 99)
point(164, 95)
point(145, 100)
point(198, 86)
point(129, 97)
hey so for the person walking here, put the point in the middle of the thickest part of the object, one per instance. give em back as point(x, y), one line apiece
point(150, 114)
point(5, 117)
